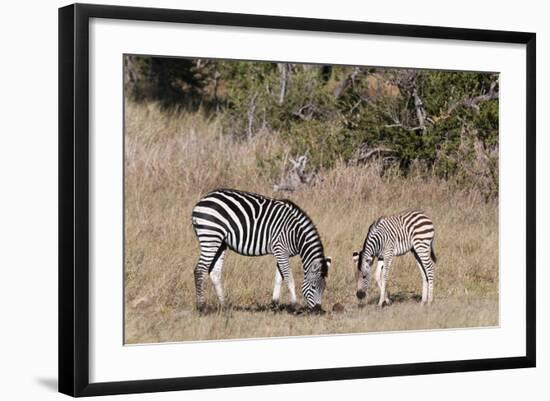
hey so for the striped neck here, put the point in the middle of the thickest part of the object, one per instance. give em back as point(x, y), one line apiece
point(304, 239)
point(373, 244)
point(310, 245)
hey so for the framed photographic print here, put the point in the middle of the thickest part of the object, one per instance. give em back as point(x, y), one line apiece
point(234, 186)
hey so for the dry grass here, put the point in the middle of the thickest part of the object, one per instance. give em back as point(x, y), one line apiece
point(172, 160)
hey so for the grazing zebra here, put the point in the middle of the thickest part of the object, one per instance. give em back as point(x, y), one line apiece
point(253, 225)
point(394, 236)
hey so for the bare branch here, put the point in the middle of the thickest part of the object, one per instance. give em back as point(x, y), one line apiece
point(306, 112)
point(407, 128)
point(346, 83)
point(380, 110)
point(365, 154)
point(295, 176)
point(472, 102)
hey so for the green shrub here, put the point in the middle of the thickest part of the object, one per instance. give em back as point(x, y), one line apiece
point(445, 121)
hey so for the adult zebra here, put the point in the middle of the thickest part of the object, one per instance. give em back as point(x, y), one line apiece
point(394, 236)
point(254, 225)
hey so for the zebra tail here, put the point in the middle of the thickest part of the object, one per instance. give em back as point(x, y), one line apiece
point(432, 253)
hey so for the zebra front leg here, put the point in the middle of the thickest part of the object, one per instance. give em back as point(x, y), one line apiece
point(291, 287)
point(378, 278)
point(283, 266)
point(216, 277)
point(385, 273)
point(277, 287)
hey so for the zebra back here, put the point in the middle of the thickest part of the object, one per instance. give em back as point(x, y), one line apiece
point(252, 224)
point(402, 229)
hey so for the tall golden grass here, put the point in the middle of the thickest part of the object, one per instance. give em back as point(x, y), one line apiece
point(174, 158)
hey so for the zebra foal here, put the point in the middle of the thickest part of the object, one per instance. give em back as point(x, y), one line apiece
point(254, 225)
point(394, 236)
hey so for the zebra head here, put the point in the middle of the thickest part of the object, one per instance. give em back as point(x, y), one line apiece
point(315, 282)
point(363, 262)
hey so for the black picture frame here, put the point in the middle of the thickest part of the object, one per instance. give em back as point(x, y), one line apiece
point(74, 198)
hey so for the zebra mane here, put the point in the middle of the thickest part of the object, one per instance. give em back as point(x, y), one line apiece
point(294, 205)
point(238, 191)
point(372, 227)
point(301, 211)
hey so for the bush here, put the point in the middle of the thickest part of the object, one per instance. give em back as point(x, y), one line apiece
point(446, 121)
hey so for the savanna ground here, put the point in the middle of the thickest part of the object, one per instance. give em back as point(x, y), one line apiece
point(172, 159)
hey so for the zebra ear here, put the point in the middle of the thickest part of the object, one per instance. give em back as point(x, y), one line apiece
point(355, 256)
point(325, 266)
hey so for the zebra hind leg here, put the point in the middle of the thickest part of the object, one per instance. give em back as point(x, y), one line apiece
point(207, 260)
point(424, 283)
point(430, 270)
point(200, 271)
point(423, 259)
point(216, 277)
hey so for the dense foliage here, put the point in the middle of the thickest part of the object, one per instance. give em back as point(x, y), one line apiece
point(444, 121)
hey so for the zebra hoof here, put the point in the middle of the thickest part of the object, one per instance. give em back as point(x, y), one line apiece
point(274, 305)
point(317, 310)
point(201, 309)
point(290, 308)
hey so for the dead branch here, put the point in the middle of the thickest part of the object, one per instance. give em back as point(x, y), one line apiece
point(346, 83)
point(365, 154)
point(405, 127)
point(295, 176)
point(305, 112)
point(472, 102)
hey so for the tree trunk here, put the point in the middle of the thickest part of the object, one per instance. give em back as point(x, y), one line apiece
point(284, 71)
point(420, 112)
point(250, 115)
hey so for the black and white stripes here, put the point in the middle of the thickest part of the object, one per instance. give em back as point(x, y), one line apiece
point(253, 225)
point(393, 236)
